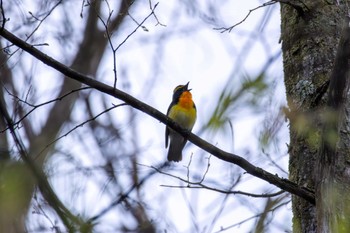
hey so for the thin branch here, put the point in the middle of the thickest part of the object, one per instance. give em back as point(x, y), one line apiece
point(297, 7)
point(2, 15)
point(229, 29)
point(272, 161)
point(282, 183)
point(6, 49)
point(80, 125)
point(123, 196)
point(155, 16)
point(138, 26)
point(200, 185)
point(207, 170)
point(221, 208)
point(43, 19)
point(109, 38)
point(107, 27)
point(35, 106)
point(250, 218)
point(188, 167)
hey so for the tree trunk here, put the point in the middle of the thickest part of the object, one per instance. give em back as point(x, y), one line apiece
point(310, 33)
point(332, 182)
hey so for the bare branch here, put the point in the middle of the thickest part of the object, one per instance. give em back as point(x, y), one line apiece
point(200, 185)
point(35, 106)
point(80, 125)
point(155, 16)
point(125, 195)
point(207, 170)
point(188, 168)
point(297, 7)
point(229, 29)
point(138, 26)
point(2, 15)
point(251, 218)
point(108, 34)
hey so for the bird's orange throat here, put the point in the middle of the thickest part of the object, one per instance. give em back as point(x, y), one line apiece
point(185, 100)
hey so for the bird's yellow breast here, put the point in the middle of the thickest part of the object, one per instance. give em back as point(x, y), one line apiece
point(184, 112)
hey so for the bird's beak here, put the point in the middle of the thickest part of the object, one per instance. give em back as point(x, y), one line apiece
point(186, 86)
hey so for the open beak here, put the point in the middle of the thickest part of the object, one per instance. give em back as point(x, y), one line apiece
point(186, 86)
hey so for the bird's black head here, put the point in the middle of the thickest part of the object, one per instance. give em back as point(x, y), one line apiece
point(179, 90)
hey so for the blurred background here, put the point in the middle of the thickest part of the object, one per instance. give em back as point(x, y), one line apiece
point(106, 161)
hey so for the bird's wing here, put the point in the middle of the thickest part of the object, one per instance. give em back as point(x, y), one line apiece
point(166, 128)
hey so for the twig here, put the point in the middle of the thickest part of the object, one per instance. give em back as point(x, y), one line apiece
point(138, 26)
point(250, 218)
point(188, 167)
point(109, 35)
point(155, 16)
point(34, 107)
point(229, 29)
point(109, 38)
point(2, 15)
point(298, 8)
point(80, 125)
point(200, 185)
point(206, 171)
point(43, 19)
point(6, 49)
point(125, 195)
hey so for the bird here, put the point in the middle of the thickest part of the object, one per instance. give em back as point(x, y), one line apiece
point(183, 111)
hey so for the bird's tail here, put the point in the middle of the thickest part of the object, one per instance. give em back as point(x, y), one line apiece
point(177, 143)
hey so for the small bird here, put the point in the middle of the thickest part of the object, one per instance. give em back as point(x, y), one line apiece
point(183, 111)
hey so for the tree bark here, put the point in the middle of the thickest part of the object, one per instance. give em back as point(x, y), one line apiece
point(310, 33)
point(332, 182)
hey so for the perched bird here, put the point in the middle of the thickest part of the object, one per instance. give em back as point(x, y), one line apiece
point(183, 111)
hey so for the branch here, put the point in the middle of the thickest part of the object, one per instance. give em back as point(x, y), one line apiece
point(297, 7)
point(200, 185)
point(80, 125)
point(229, 29)
point(203, 186)
point(282, 183)
point(123, 196)
point(138, 26)
point(2, 15)
point(35, 106)
point(251, 218)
